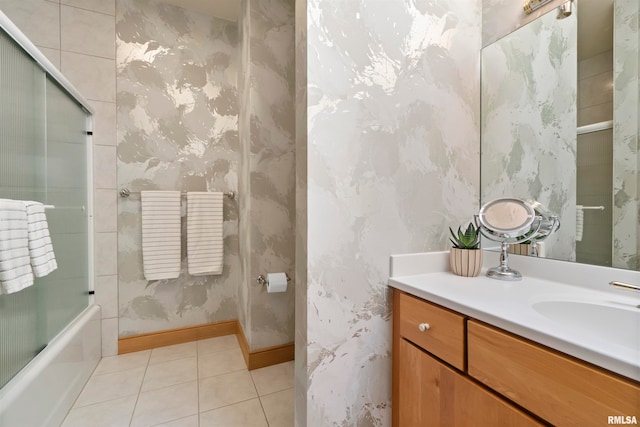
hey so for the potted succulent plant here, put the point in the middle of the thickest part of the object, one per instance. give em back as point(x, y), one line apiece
point(527, 247)
point(465, 257)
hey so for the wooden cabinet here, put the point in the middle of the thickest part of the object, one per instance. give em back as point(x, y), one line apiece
point(435, 329)
point(461, 372)
point(558, 388)
point(433, 394)
point(426, 390)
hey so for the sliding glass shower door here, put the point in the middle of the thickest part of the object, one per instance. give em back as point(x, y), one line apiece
point(43, 157)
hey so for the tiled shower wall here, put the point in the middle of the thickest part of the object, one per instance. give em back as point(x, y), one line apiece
point(78, 37)
point(595, 88)
point(177, 130)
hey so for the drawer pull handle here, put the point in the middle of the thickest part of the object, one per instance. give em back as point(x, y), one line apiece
point(424, 327)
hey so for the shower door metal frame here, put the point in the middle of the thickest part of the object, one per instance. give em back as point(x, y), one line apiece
point(23, 41)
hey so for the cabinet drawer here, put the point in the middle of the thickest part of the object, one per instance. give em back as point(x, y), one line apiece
point(557, 388)
point(434, 394)
point(444, 337)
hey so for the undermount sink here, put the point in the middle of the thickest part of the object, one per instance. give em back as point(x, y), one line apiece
point(613, 322)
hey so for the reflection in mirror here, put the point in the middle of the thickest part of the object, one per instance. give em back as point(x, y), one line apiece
point(560, 123)
point(512, 217)
point(510, 220)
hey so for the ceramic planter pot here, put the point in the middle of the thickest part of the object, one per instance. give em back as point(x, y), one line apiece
point(465, 262)
point(520, 249)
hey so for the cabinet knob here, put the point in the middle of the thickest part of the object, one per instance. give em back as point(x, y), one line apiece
point(423, 327)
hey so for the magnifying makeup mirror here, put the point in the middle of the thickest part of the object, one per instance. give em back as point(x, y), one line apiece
point(508, 221)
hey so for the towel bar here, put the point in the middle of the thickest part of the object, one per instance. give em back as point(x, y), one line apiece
point(82, 208)
point(126, 193)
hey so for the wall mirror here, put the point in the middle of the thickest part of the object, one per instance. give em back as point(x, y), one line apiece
point(559, 124)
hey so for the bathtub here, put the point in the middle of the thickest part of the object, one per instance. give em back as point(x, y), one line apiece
point(42, 393)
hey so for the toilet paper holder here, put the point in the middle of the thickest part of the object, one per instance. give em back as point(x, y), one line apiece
point(262, 279)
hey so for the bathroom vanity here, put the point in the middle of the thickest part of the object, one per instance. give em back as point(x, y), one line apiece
point(477, 351)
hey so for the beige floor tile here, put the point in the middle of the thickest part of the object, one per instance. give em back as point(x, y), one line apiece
point(191, 421)
point(278, 408)
point(244, 414)
point(221, 362)
point(101, 388)
point(166, 404)
point(170, 373)
point(226, 389)
point(160, 388)
point(173, 352)
point(123, 362)
point(112, 413)
point(273, 378)
point(212, 345)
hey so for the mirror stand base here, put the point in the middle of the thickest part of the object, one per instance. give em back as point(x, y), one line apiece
point(504, 273)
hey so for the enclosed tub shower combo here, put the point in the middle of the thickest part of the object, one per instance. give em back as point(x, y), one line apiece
point(49, 326)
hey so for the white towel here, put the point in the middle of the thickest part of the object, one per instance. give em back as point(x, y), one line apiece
point(43, 260)
point(579, 222)
point(160, 234)
point(204, 233)
point(15, 264)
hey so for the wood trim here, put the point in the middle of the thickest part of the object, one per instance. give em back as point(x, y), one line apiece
point(253, 359)
point(176, 336)
point(264, 357)
point(271, 356)
point(244, 344)
point(395, 362)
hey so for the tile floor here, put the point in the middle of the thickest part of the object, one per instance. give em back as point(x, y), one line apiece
point(203, 383)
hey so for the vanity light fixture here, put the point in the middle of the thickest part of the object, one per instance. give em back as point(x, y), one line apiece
point(531, 6)
point(565, 10)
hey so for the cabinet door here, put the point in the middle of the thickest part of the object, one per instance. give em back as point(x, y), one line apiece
point(432, 394)
point(555, 387)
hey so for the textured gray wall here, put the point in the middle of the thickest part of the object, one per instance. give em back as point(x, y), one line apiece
point(177, 130)
point(392, 105)
point(301, 364)
point(500, 17)
point(626, 229)
point(267, 179)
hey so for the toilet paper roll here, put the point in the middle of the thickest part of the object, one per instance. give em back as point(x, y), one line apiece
point(276, 282)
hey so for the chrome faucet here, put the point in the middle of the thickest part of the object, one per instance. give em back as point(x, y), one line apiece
point(623, 285)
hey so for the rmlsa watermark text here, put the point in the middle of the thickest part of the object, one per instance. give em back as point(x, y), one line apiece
point(622, 419)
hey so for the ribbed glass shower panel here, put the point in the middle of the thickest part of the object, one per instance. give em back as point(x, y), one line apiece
point(22, 165)
point(64, 293)
point(22, 111)
point(43, 157)
point(594, 188)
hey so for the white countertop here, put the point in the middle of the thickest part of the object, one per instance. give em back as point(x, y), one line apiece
point(509, 305)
